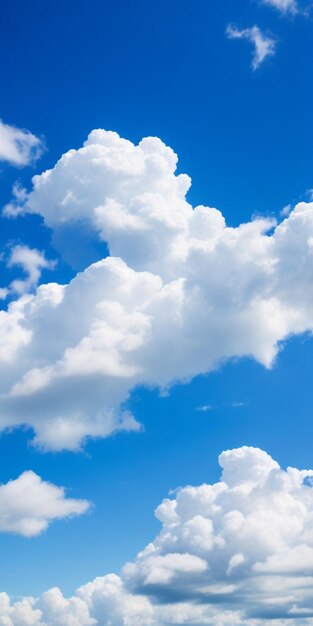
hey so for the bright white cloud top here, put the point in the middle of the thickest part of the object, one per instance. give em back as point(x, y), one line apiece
point(264, 45)
point(17, 146)
point(28, 505)
point(237, 552)
point(180, 294)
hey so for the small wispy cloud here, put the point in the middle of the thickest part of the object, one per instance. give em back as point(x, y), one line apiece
point(16, 206)
point(264, 45)
point(32, 262)
point(286, 210)
point(234, 405)
point(205, 408)
point(18, 146)
point(3, 293)
point(284, 6)
point(240, 404)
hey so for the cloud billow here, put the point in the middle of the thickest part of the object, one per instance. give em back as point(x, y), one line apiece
point(237, 552)
point(180, 293)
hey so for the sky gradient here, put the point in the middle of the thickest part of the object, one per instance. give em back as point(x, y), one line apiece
point(192, 336)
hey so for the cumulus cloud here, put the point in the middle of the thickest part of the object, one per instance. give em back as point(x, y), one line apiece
point(237, 552)
point(18, 147)
point(28, 505)
point(181, 292)
point(264, 45)
point(285, 6)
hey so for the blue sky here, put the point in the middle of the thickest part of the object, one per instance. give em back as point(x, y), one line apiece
point(244, 136)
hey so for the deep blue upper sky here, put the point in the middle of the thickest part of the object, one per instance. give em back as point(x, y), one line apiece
point(160, 68)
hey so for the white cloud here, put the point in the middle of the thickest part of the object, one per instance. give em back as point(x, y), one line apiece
point(237, 552)
point(286, 210)
point(205, 407)
point(18, 147)
point(32, 262)
point(28, 505)
point(252, 530)
point(285, 6)
point(3, 293)
point(264, 45)
point(19, 195)
point(181, 293)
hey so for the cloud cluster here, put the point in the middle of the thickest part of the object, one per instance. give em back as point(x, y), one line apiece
point(180, 293)
point(264, 45)
point(18, 147)
point(28, 505)
point(237, 552)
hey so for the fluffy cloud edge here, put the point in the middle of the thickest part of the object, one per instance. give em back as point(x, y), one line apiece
point(180, 293)
point(235, 552)
point(28, 505)
point(19, 147)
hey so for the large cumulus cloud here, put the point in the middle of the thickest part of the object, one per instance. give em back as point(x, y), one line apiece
point(180, 292)
point(237, 552)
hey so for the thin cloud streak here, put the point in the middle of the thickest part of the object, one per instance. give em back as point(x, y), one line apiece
point(264, 45)
point(284, 6)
